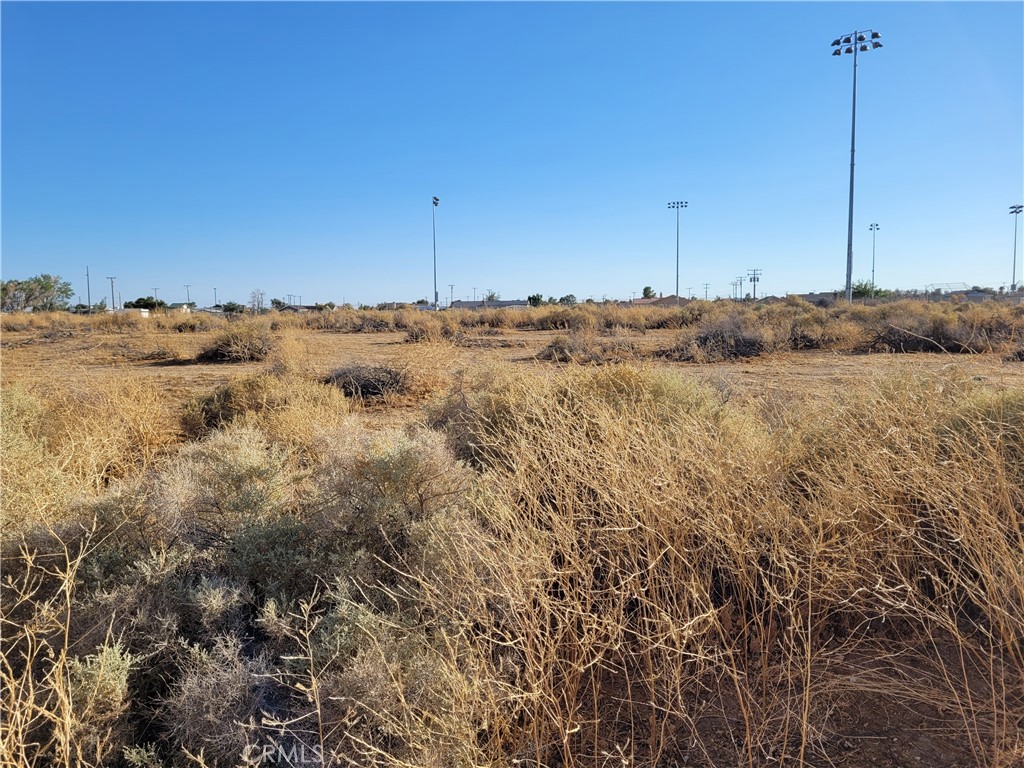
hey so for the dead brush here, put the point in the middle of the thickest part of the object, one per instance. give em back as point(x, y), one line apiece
point(84, 432)
point(408, 377)
point(289, 409)
point(712, 591)
point(61, 705)
point(933, 327)
point(245, 341)
point(584, 347)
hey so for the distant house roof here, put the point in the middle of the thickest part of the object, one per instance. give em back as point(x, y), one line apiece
point(497, 304)
point(656, 301)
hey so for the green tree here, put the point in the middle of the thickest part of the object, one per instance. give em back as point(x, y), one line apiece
point(146, 302)
point(535, 300)
point(568, 300)
point(648, 292)
point(42, 293)
point(277, 304)
point(233, 308)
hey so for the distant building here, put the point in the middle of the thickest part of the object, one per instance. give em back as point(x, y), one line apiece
point(497, 304)
point(656, 301)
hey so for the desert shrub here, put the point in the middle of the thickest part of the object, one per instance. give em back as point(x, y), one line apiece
point(194, 323)
point(93, 430)
point(730, 337)
point(98, 688)
point(33, 480)
point(909, 326)
point(116, 322)
point(564, 319)
point(213, 487)
point(364, 381)
point(288, 409)
point(689, 314)
point(429, 327)
point(383, 485)
point(241, 342)
point(220, 692)
point(584, 347)
point(617, 550)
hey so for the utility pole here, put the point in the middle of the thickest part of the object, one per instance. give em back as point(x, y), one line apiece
point(1015, 211)
point(755, 278)
point(677, 204)
point(88, 286)
point(874, 231)
point(156, 294)
point(433, 225)
point(215, 297)
point(113, 304)
point(451, 298)
point(706, 286)
point(188, 296)
point(739, 285)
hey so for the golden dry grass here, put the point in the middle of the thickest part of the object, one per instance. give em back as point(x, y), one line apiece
point(807, 559)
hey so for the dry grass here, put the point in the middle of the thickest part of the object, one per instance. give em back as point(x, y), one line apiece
point(245, 341)
point(66, 438)
point(567, 565)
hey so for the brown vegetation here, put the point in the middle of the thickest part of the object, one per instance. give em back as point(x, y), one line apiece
point(548, 565)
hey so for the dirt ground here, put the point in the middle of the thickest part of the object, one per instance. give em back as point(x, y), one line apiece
point(36, 355)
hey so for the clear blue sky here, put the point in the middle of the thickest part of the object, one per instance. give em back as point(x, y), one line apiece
point(295, 147)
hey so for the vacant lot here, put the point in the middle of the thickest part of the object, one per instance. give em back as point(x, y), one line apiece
point(709, 536)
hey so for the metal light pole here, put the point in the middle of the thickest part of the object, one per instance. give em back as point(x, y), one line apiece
point(1015, 211)
point(854, 42)
point(451, 298)
point(113, 304)
point(677, 205)
point(88, 285)
point(188, 296)
point(433, 224)
point(156, 295)
point(215, 298)
point(874, 231)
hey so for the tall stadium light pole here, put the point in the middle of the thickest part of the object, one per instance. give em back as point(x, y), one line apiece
point(113, 304)
point(1015, 211)
point(433, 224)
point(874, 231)
point(677, 204)
point(866, 40)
